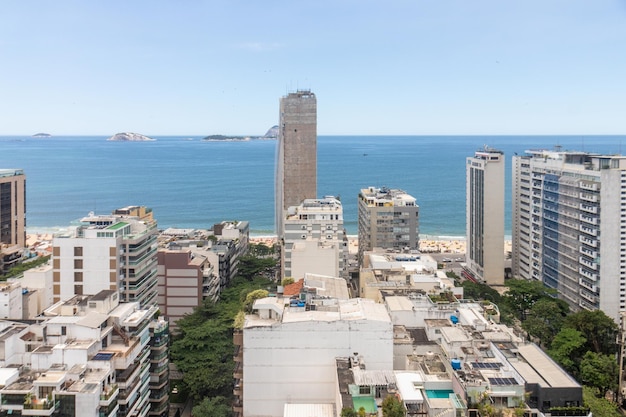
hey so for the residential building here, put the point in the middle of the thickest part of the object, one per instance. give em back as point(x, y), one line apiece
point(388, 219)
point(11, 300)
point(116, 252)
point(569, 226)
point(89, 357)
point(186, 278)
point(12, 217)
point(389, 272)
point(315, 240)
point(287, 351)
point(296, 157)
point(12, 207)
point(485, 216)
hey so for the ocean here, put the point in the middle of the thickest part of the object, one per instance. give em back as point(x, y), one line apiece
point(190, 183)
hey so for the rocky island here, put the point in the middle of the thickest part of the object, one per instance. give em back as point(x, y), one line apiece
point(42, 135)
point(226, 138)
point(130, 137)
point(272, 133)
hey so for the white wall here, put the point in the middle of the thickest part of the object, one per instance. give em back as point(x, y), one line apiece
point(295, 362)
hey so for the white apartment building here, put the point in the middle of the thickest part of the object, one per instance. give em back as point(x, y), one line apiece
point(485, 216)
point(116, 252)
point(289, 351)
point(388, 219)
point(89, 358)
point(10, 300)
point(569, 226)
point(315, 240)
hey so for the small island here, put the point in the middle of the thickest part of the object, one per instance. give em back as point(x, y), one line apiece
point(215, 138)
point(130, 137)
point(272, 133)
point(42, 135)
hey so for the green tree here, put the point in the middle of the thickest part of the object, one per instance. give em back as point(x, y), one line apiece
point(212, 407)
point(348, 412)
point(599, 329)
point(24, 266)
point(598, 405)
point(251, 267)
point(599, 371)
point(260, 249)
point(522, 294)
point(545, 319)
point(203, 350)
point(392, 407)
point(566, 349)
point(362, 412)
point(478, 291)
point(252, 297)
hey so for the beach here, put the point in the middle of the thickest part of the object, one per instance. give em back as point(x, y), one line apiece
point(432, 244)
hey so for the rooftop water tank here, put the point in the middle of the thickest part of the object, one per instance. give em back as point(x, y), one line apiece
point(454, 319)
point(456, 364)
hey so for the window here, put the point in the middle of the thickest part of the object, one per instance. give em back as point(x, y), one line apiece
point(63, 330)
point(78, 289)
point(78, 251)
point(78, 264)
point(364, 390)
point(78, 276)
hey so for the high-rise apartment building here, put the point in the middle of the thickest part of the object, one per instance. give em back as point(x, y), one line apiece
point(315, 240)
point(569, 226)
point(388, 219)
point(12, 217)
point(296, 157)
point(108, 252)
point(12, 207)
point(485, 216)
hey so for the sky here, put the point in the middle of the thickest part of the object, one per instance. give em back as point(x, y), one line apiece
point(397, 67)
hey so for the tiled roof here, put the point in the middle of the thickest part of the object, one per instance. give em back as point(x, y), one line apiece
point(293, 289)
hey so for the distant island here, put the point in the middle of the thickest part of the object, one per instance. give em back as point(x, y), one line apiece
point(212, 138)
point(130, 137)
point(42, 135)
point(272, 133)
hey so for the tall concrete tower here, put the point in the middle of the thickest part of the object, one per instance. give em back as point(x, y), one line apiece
point(485, 216)
point(296, 161)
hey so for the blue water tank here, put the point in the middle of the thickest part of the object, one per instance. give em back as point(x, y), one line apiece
point(454, 319)
point(456, 364)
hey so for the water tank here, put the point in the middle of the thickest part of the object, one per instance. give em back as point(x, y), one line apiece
point(454, 319)
point(456, 364)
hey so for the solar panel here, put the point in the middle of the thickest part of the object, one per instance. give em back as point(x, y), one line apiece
point(486, 365)
point(503, 381)
point(103, 356)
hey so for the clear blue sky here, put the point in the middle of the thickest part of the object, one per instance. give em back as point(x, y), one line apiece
point(377, 67)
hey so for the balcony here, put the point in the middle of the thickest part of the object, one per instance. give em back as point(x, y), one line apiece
point(109, 395)
point(39, 407)
point(588, 186)
point(588, 208)
point(588, 197)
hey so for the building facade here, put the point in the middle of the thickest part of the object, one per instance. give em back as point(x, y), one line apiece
point(485, 216)
point(89, 356)
point(116, 252)
point(388, 219)
point(569, 226)
point(288, 353)
point(185, 280)
point(12, 207)
point(296, 158)
point(315, 240)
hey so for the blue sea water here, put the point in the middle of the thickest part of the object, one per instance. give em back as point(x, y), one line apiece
point(190, 183)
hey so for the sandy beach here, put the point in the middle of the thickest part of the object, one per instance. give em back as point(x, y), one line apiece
point(429, 245)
